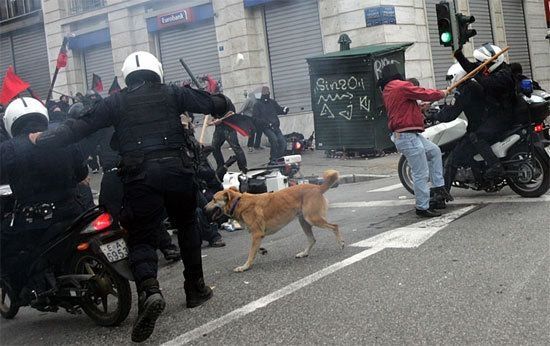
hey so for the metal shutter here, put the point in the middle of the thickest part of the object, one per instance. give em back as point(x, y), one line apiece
point(6, 58)
point(480, 10)
point(293, 33)
point(516, 33)
point(441, 56)
point(196, 44)
point(99, 60)
point(31, 58)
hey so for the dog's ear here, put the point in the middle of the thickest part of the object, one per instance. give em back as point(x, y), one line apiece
point(227, 195)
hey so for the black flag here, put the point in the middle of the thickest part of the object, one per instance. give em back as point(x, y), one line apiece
point(114, 86)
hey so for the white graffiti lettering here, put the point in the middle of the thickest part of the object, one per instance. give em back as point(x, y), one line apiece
point(336, 97)
point(352, 83)
point(380, 63)
point(348, 113)
point(364, 103)
point(326, 112)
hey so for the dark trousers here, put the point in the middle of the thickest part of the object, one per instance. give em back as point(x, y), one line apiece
point(277, 142)
point(209, 230)
point(487, 134)
point(163, 184)
point(110, 196)
point(255, 137)
point(225, 133)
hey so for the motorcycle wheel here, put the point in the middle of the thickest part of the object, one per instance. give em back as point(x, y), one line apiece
point(405, 175)
point(537, 185)
point(8, 309)
point(105, 288)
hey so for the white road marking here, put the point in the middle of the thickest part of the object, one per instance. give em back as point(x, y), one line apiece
point(387, 188)
point(413, 235)
point(458, 200)
point(398, 238)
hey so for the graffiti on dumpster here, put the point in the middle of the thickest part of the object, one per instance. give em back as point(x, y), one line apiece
point(380, 63)
point(341, 96)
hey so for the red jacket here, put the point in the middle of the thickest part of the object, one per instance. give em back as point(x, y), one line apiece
point(403, 111)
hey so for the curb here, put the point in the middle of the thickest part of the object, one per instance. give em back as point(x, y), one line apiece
point(357, 178)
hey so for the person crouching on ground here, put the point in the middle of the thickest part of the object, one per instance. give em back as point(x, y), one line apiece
point(406, 122)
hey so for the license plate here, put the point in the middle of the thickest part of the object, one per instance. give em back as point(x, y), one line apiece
point(288, 145)
point(115, 251)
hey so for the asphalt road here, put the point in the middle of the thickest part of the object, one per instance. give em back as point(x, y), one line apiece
point(480, 279)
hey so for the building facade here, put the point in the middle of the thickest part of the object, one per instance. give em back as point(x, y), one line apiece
point(250, 43)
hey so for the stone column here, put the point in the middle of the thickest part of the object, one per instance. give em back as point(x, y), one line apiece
point(241, 31)
point(128, 30)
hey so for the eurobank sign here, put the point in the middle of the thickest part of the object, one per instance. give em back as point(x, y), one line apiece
point(175, 18)
point(180, 17)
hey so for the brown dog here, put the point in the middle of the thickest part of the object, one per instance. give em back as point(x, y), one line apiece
point(266, 213)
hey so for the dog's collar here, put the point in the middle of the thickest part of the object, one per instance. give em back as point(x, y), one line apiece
point(234, 206)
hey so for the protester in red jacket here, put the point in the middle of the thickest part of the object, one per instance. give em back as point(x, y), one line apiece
point(406, 122)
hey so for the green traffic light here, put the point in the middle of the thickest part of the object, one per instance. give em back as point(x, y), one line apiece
point(446, 37)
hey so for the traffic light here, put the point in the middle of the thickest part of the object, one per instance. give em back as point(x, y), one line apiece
point(444, 23)
point(465, 33)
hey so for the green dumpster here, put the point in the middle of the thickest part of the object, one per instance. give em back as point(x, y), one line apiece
point(347, 108)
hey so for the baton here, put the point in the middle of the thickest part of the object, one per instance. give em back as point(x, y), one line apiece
point(188, 70)
point(477, 69)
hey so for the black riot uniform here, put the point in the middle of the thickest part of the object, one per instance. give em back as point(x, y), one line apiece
point(470, 99)
point(157, 170)
point(43, 182)
point(500, 91)
point(111, 191)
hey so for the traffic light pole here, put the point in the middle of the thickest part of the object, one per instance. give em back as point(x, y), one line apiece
point(454, 25)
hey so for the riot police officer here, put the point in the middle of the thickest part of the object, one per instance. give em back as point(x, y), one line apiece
point(500, 91)
point(43, 182)
point(469, 98)
point(157, 169)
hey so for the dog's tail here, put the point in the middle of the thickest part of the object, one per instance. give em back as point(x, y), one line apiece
point(330, 178)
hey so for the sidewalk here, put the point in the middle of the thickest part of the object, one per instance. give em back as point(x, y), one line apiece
point(314, 163)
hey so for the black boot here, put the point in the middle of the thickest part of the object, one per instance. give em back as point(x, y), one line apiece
point(438, 197)
point(150, 305)
point(427, 213)
point(196, 292)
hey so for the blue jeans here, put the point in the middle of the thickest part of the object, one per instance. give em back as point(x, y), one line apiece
point(425, 161)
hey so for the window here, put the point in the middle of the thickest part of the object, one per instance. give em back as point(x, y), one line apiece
point(79, 6)
point(14, 8)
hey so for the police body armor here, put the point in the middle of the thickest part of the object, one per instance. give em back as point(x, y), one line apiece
point(43, 180)
point(149, 122)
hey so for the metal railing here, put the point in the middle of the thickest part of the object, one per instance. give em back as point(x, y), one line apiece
point(81, 6)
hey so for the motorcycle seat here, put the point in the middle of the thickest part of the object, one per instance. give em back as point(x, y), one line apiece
point(509, 132)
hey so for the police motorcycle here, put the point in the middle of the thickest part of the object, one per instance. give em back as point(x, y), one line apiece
point(520, 150)
point(90, 270)
point(273, 177)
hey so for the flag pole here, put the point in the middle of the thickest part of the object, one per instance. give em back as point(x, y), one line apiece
point(59, 64)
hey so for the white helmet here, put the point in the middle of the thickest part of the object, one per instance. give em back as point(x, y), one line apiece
point(141, 61)
point(486, 52)
point(24, 108)
point(455, 73)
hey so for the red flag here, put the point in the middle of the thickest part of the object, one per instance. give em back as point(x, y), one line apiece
point(62, 58)
point(114, 86)
point(211, 85)
point(97, 84)
point(12, 86)
point(240, 123)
